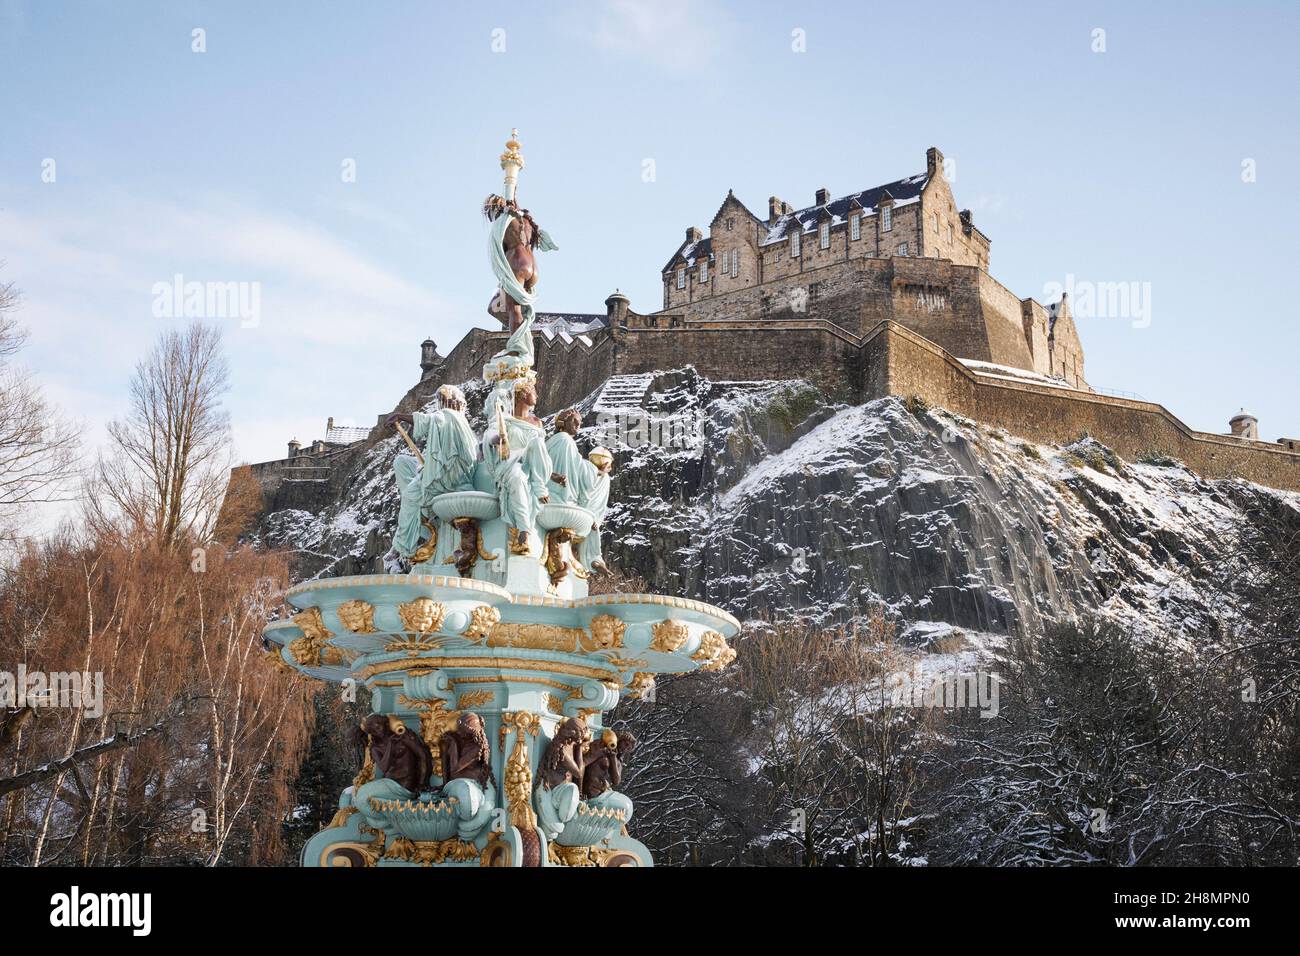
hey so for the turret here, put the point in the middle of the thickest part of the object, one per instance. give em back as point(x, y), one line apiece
point(616, 307)
point(294, 447)
point(1244, 425)
point(429, 358)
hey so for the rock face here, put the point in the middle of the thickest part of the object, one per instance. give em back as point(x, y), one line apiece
point(768, 498)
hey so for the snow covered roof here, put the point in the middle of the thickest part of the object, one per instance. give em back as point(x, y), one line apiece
point(692, 251)
point(904, 192)
point(344, 434)
point(567, 324)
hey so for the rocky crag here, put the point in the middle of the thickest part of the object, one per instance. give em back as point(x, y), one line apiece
point(770, 498)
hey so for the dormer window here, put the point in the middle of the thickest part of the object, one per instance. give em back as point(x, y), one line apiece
point(796, 239)
point(855, 227)
point(704, 270)
point(886, 218)
point(825, 235)
point(681, 278)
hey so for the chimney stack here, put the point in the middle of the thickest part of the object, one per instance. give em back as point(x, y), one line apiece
point(933, 162)
point(823, 196)
point(775, 210)
point(693, 234)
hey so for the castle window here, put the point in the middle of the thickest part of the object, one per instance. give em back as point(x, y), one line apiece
point(813, 289)
point(950, 232)
point(887, 218)
point(796, 238)
point(681, 278)
point(902, 249)
point(936, 224)
point(855, 227)
point(735, 262)
point(825, 235)
point(730, 222)
point(704, 270)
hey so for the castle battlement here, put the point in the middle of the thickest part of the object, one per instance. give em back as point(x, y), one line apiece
point(900, 252)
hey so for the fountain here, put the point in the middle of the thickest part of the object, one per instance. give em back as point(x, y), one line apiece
point(490, 666)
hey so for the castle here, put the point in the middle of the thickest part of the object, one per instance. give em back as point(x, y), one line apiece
point(901, 252)
point(881, 292)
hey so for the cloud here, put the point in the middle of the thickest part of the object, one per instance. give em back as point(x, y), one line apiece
point(327, 309)
point(677, 36)
point(91, 275)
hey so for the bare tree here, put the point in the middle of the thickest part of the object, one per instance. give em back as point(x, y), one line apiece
point(240, 508)
point(38, 447)
point(685, 776)
point(197, 725)
point(838, 756)
point(167, 466)
point(1108, 751)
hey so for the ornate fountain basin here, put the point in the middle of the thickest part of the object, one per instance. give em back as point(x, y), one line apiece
point(591, 825)
point(466, 504)
point(420, 820)
point(554, 515)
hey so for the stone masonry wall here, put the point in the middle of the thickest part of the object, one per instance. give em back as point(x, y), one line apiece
point(961, 308)
point(890, 359)
point(1056, 415)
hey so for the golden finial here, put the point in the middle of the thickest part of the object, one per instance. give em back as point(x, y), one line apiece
point(512, 160)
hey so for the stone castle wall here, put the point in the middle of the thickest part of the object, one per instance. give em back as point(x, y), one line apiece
point(1042, 413)
point(960, 307)
point(567, 372)
point(890, 359)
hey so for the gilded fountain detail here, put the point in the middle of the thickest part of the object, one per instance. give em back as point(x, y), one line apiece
point(490, 666)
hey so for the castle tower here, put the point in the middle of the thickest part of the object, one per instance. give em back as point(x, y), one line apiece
point(430, 360)
point(1244, 425)
point(616, 307)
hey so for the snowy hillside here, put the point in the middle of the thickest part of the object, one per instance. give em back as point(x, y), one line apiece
point(769, 499)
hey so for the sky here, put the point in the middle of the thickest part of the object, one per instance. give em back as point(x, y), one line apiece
point(333, 157)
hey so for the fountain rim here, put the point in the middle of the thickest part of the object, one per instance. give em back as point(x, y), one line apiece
point(519, 600)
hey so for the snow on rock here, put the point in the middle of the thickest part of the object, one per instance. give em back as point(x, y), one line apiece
point(782, 501)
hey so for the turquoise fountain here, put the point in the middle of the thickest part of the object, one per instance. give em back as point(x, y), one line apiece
point(490, 666)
